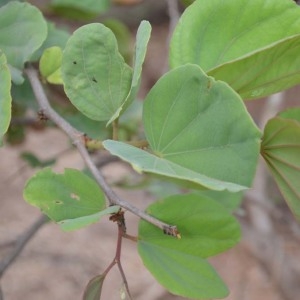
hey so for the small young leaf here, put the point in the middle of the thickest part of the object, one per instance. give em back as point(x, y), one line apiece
point(96, 78)
point(61, 197)
point(5, 97)
point(206, 228)
point(280, 149)
point(24, 24)
point(50, 64)
point(93, 288)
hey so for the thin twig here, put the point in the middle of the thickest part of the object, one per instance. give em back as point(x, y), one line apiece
point(1, 294)
point(77, 138)
point(21, 243)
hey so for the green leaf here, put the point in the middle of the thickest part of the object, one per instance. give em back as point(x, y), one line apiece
point(205, 226)
point(50, 64)
point(182, 274)
point(94, 288)
point(96, 78)
point(206, 229)
point(250, 55)
point(80, 10)
point(198, 130)
point(74, 224)
point(24, 24)
point(265, 72)
point(5, 97)
point(280, 149)
point(61, 197)
point(201, 124)
point(142, 39)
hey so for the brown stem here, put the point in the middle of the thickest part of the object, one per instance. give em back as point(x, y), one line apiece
point(78, 140)
point(115, 126)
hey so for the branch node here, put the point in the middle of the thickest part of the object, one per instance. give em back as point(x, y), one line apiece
point(172, 230)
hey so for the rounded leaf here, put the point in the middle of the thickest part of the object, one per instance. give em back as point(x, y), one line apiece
point(95, 76)
point(61, 197)
point(206, 228)
point(23, 30)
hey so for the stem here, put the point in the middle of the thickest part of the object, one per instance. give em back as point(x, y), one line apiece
point(115, 126)
point(118, 258)
point(21, 243)
point(78, 140)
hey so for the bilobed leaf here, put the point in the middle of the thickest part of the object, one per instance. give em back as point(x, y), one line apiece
point(198, 130)
point(281, 151)
point(142, 39)
point(202, 125)
point(71, 195)
point(24, 24)
point(96, 78)
point(5, 97)
point(206, 228)
point(224, 46)
point(94, 287)
point(265, 72)
point(50, 65)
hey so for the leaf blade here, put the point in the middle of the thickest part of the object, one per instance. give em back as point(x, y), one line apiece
point(280, 149)
point(61, 197)
point(5, 96)
point(96, 78)
point(30, 28)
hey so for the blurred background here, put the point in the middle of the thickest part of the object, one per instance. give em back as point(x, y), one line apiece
point(57, 265)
